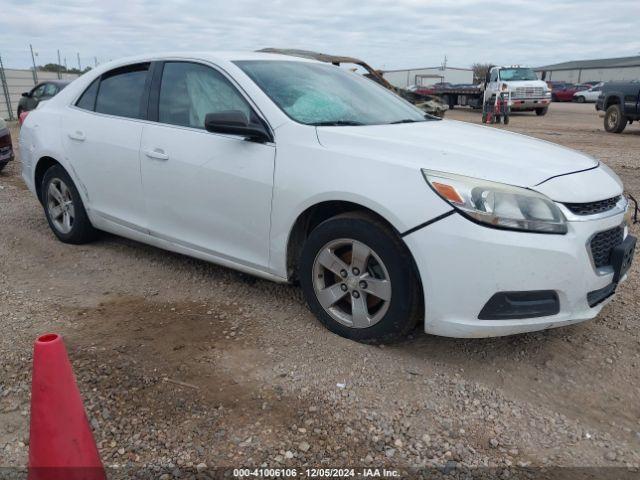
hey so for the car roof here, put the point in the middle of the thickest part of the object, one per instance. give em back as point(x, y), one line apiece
point(56, 82)
point(227, 56)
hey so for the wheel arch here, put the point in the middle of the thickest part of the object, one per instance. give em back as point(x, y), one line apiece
point(315, 214)
point(612, 99)
point(43, 164)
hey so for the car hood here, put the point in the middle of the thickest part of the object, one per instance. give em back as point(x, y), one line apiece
point(460, 148)
point(526, 83)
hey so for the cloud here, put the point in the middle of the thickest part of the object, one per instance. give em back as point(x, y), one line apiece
point(388, 34)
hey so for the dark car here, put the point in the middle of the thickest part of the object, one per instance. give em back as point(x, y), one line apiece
point(6, 147)
point(42, 91)
point(621, 103)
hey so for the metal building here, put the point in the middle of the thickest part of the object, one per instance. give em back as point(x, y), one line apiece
point(428, 76)
point(604, 70)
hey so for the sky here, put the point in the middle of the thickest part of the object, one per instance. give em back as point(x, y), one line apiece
point(390, 34)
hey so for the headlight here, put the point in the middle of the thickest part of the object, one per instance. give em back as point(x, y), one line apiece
point(497, 204)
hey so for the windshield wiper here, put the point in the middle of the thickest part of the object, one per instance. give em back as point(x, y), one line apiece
point(406, 120)
point(337, 123)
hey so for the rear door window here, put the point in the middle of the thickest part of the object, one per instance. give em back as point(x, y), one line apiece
point(121, 91)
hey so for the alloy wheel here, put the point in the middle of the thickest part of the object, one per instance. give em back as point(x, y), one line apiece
point(60, 206)
point(351, 283)
point(613, 119)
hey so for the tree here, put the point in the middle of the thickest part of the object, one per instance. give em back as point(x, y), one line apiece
point(54, 67)
point(480, 71)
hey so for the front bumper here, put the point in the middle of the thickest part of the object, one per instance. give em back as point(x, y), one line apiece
point(463, 264)
point(529, 103)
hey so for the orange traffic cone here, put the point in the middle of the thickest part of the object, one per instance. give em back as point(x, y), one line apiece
point(61, 445)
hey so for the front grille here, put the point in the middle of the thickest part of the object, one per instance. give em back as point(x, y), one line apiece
point(591, 208)
point(528, 92)
point(603, 243)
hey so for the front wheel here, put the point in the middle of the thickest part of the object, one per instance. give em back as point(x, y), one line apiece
point(64, 209)
point(580, 99)
point(359, 279)
point(542, 111)
point(614, 120)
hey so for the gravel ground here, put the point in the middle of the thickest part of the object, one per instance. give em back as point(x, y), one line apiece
point(187, 365)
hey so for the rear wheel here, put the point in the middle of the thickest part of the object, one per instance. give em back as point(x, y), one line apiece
point(614, 120)
point(64, 209)
point(359, 279)
point(542, 111)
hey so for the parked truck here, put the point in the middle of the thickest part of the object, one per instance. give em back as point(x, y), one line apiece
point(619, 103)
point(526, 91)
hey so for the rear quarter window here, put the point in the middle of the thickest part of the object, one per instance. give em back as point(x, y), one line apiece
point(87, 100)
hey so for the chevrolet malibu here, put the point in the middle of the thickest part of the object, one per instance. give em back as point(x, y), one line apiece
point(299, 171)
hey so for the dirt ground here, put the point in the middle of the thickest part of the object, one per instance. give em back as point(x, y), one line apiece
point(187, 365)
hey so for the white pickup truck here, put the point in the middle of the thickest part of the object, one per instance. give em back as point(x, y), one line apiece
point(527, 93)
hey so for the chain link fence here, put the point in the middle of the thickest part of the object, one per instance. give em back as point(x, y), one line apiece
point(13, 82)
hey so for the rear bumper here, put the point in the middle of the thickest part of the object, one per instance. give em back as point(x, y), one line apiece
point(529, 103)
point(463, 265)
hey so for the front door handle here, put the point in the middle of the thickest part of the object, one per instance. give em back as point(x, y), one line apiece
point(77, 135)
point(157, 154)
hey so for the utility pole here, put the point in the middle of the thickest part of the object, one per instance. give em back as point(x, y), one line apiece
point(95, 61)
point(79, 67)
point(33, 59)
point(59, 66)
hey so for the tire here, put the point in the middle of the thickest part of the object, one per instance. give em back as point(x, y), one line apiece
point(580, 99)
point(72, 224)
point(541, 112)
point(554, 97)
point(614, 120)
point(2, 165)
point(385, 318)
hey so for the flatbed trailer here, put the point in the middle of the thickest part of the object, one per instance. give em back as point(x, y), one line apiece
point(460, 96)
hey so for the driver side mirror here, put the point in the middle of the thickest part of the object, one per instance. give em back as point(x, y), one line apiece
point(26, 94)
point(235, 122)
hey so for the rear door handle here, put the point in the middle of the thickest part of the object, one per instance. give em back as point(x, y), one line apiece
point(157, 154)
point(77, 135)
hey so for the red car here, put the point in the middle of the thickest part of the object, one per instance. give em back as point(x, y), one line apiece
point(563, 92)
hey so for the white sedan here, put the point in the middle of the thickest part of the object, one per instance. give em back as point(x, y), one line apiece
point(589, 95)
point(300, 171)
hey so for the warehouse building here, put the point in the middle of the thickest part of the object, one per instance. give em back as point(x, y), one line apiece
point(604, 70)
point(428, 76)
